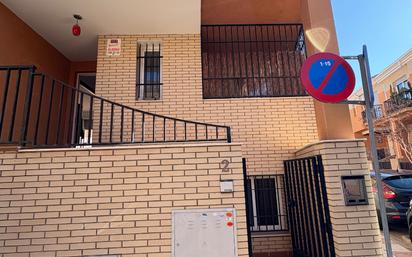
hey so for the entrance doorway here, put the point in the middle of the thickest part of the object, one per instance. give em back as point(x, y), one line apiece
point(83, 130)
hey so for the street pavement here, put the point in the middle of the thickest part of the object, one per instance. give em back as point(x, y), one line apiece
point(401, 244)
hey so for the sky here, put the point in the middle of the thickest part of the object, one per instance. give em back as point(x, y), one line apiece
point(385, 26)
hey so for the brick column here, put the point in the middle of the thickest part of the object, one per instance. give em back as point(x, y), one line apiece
point(355, 228)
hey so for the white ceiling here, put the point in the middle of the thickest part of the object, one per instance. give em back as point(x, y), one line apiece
point(53, 20)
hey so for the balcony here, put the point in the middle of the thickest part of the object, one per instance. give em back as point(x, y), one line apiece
point(398, 102)
point(262, 60)
point(377, 113)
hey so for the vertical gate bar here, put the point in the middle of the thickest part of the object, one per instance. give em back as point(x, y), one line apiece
point(174, 130)
point(206, 127)
point(164, 129)
point(132, 134)
point(220, 62)
point(27, 106)
point(326, 205)
point(320, 206)
point(314, 209)
point(226, 45)
point(101, 120)
point(288, 201)
point(303, 201)
point(121, 123)
point(16, 98)
point(258, 59)
point(252, 63)
point(263, 42)
point(282, 88)
point(111, 123)
point(50, 111)
point(217, 133)
point(289, 65)
point(196, 131)
point(239, 59)
point(143, 128)
point(245, 57)
point(233, 64)
point(60, 113)
point(245, 188)
point(79, 124)
point(271, 76)
point(39, 110)
point(286, 205)
point(4, 99)
point(308, 209)
point(185, 131)
point(153, 123)
point(298, 212)
point(277, 62)
point(297, 224)
point(71, 118)
point(89, 133)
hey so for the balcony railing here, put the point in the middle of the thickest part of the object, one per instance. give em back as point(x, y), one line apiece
point(262, 60)
point(398, 102)
point(39, 111)
point(377, 113)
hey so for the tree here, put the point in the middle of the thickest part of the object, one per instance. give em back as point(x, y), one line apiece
point(396, 130)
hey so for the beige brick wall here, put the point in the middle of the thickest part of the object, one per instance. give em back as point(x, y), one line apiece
point(272, 243)
point(92, 201)
point(355, 228)
point(269, 129)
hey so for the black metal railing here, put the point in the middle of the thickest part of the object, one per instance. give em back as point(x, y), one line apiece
point(398, 101)
point(262, 60)
point(405, 165)
point(377, 113)
point(310, 220)
point(266, 203)
point(38, 111)
point(385, 165)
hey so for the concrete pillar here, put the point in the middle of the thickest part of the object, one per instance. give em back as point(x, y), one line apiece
point(333, 119)
point(355, 229)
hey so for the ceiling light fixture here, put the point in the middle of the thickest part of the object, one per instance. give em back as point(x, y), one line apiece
point(76, 30)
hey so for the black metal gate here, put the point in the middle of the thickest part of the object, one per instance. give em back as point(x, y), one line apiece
point(309, 216)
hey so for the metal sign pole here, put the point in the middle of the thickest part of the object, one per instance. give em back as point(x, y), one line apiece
point(369, 107)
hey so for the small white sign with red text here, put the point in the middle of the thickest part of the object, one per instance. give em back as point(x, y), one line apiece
point(114, 47)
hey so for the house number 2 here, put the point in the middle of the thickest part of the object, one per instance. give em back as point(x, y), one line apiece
point(224, 165)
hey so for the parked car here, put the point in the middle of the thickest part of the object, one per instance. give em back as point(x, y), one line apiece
point(397, 194)
point(409, 219)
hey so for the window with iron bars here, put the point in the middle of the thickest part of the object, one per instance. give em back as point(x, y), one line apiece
point(149, 77)
point(262, 60)
point(266, 203)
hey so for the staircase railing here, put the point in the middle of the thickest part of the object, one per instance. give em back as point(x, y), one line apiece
point(37, 110)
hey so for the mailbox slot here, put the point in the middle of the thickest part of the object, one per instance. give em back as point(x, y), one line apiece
point(354, 190)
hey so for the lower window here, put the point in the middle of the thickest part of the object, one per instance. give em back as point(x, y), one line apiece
point(266, 208)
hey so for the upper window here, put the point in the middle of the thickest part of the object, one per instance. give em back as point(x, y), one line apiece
point(403, 86)
point(149, 77)
point(252, 60)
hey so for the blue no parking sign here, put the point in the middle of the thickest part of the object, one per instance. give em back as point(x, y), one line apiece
point(328, 77)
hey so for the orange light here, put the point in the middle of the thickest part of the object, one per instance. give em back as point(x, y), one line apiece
point(229, 214)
